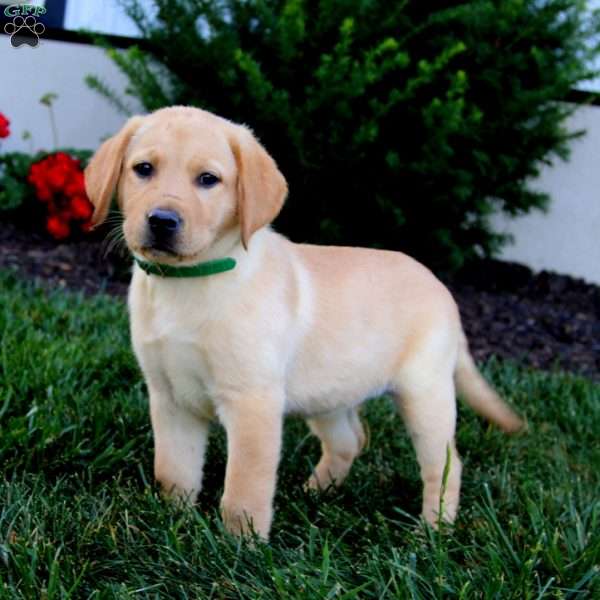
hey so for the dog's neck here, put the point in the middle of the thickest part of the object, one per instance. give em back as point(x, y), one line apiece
point(201, 269)
point(225, 254)
point(229, 244)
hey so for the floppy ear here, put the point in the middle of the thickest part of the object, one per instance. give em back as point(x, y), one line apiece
point(261, 186)
point(104, 169)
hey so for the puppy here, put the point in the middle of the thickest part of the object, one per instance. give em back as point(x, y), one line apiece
point(233, 321)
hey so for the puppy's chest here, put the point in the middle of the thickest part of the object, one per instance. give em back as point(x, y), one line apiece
point(179, 351)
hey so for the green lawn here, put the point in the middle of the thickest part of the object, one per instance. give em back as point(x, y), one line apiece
point(81, 518)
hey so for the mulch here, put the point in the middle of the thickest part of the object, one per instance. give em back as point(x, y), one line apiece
point(543, 320)
point(84, 264)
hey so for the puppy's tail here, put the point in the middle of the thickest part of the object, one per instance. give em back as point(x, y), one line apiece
point(478, 394)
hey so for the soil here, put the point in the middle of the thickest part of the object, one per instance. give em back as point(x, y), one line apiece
point(84, 264)
point(543, 320)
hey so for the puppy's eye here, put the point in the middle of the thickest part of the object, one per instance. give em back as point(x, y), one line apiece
point(144, 169)
point(207, 180)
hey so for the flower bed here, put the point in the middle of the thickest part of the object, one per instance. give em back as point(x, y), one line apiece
point(45, 190)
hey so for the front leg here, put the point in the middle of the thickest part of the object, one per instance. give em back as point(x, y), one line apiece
point(254, 425)
point(179, 446)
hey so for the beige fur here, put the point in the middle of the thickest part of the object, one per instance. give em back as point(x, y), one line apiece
point(293, 328)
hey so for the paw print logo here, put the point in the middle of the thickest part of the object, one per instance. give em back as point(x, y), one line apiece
point(24, 30)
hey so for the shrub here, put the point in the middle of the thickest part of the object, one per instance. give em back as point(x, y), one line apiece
point(397, 124)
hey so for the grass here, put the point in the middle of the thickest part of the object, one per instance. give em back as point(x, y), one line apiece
point(81, 518)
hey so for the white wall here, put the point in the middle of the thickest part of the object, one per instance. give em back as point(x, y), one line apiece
point(567, 238)
point(106, 16)
point(83, 116)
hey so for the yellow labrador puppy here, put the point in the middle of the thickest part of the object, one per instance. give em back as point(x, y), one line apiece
point(231, 320)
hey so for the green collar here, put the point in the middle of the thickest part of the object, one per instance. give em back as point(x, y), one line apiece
point(210, 267)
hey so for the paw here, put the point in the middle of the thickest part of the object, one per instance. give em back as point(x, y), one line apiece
point(312, 485)
point(176, 494)
point(242, 522)
point(328, 477)
point(431, 512)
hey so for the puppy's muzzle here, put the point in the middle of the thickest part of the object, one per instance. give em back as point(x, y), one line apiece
point(163, 226)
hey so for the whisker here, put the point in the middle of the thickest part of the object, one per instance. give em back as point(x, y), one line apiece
point(113, 219)
point(114, 241)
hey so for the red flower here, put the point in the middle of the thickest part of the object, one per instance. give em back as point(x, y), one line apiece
point(76, 184)
point(37, 179)
point(59, 183)
point(57, 177)
point(81, 208)
point(57, 228)
point(4, 123)
point(44, 193)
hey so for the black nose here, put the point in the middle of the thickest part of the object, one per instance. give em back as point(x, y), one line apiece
point(164, 222)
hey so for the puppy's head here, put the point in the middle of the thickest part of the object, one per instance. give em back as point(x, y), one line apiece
point(184, 178)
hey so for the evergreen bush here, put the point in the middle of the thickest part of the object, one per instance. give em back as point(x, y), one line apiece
point(397, 124)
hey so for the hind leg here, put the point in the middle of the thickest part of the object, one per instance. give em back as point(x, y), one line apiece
point(428, 406)
point(342, 439)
